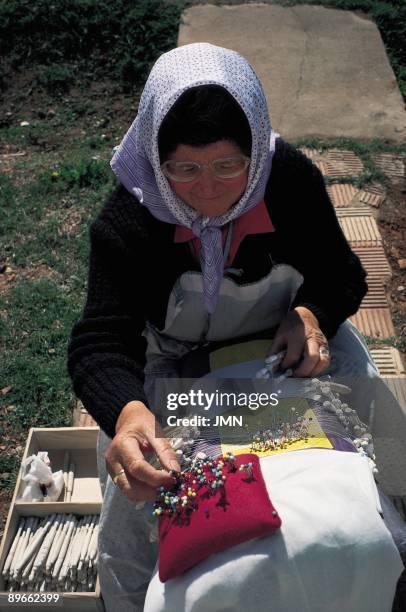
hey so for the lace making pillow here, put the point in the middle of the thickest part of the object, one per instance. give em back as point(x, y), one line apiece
point(217, 517)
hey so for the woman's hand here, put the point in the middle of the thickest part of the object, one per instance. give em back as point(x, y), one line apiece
point(300, 334)
point(136, 435)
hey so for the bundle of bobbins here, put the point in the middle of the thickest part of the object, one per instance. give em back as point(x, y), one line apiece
point(282, 436)
point(272, 362)
point(325, 393)
point(55, 553)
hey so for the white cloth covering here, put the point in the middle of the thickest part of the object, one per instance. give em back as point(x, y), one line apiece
point(333, 552)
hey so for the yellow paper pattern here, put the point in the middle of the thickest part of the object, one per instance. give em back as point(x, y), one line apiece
point(317, 439)
point(238, 353)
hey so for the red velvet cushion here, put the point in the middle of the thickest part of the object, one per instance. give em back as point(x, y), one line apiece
point(240, 511)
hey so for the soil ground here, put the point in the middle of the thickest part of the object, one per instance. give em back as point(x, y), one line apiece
point(91, 103)
point(392, 225)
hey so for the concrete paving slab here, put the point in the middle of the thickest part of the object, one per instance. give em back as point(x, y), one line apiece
point(388, 361)
point(81, 418)
point(310, 153)
point(374, 261)
point(391, 165)
point(360, 230)
point(353, 211)
point(341, 195)
point(345, 162)
point(374, 322)
point(371, 198)
point(376, 296)
point(325, 71)
point(335, 163)
point(325, 168)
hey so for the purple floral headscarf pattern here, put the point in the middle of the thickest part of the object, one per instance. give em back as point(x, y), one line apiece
point(136, 160)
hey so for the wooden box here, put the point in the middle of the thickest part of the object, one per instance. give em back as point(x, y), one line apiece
point(86, 499)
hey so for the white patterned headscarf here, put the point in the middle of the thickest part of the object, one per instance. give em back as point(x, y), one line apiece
point(136, 161)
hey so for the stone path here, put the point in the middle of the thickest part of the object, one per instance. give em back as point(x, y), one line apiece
point(325, 71)
point(356, 211)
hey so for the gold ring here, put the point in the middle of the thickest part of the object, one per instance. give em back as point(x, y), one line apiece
point(324, 352)
point(117, 476)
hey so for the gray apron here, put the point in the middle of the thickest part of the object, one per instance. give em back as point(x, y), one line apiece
point(242, 309)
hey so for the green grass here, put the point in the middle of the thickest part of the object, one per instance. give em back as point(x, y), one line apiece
point(26, 135)
point(64, 41)
point(394, 341)
point(42, 317)
point(37, 316)
point(8, 469)
point(364, 150)
point(62, 177)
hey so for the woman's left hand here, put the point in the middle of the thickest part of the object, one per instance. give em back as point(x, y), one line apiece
point(300, 334)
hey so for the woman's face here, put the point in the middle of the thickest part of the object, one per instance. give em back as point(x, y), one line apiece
point(208, 194)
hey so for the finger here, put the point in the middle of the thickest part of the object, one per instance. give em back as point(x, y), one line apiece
point(294, 352)
point(138, 468)
point(135, 490)
point(163, 449)
point(119, 479)
point(322, 365)
point(279, 343)
point(311, 358)
point(115, 471)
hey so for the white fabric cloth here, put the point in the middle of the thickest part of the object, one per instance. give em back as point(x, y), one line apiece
point(333, 551)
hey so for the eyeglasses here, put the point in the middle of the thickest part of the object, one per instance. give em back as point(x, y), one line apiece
point(185, 172)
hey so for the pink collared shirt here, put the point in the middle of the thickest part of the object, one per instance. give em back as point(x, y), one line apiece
point(254, 221)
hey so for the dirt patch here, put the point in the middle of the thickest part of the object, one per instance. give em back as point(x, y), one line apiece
point(392, 225)
point(5, 500)
point(9, 276)
point(71, 224)
point(12, 447)
point(99, 104)
point(9, 158)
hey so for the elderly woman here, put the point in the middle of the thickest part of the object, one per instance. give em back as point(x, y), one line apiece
point(218, 232)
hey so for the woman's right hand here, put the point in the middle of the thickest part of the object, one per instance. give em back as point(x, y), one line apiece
point(137, 434)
